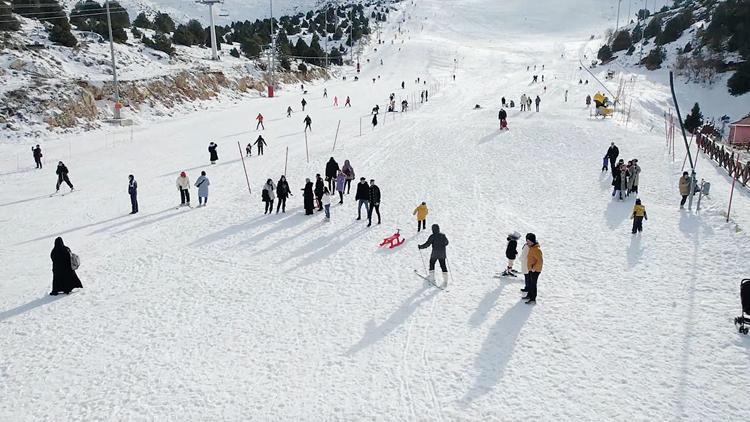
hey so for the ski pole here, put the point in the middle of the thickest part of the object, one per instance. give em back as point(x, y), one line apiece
point(423, 264)
point(447, 265)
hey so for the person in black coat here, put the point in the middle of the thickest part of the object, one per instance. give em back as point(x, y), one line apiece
point(332, 169)
point(362, 196)
point(612, 153)
point(319, 188)
point(260, 142)
point(439, 242)
point(511, 252)
point(308, 123)
point(37, 152)
point(133, 192)
point(374, 194)
point(282, 192)
point(308, 198)
point(64, 278)
point(212, 152)
point(62, 176)
point(502, 115)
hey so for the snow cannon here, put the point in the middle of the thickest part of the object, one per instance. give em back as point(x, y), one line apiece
point(393, 240)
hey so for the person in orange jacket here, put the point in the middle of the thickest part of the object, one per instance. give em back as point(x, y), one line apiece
point(421, 212)
point(260, 122)
point(535, 261)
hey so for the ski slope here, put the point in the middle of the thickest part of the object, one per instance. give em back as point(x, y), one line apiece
point(222, 313)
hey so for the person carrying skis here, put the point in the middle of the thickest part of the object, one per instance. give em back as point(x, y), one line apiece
point(511, 253)
point(503, 115)
point(332, 170)
point(260, 142)
point(340, 186)
point(421, 212)
point(304, 103)
point(62, 176)
point(362, 196)
point(537, 101)
point(326, 201)
point(308, 123)
point(260, 122)
point(133, 192)
point(348, 102)
point(249, 150)
point(439, 242)
point(213, 155)
point(534, 264)
point(348, 171)
point(37, 153)
point(319, 185)
point(282, 193)
point(374, 193)
point(268, 194)
point(202, 184)
point(308, 197)
point(183, 185)
point(638, 215)
point(289, 111)
point(612, 153)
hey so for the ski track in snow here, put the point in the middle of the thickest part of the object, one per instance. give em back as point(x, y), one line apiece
point(225, 313)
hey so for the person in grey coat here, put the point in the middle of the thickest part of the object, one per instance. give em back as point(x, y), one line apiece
point(635, 172)
point(202, 184)
point(438, 241)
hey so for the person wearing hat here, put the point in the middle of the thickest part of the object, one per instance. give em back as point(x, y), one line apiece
point(213, 155)
point(183, 185)
point(638, 215)
point(511, 253)
point(439, 242)
point(534, 264)
point(37, 152)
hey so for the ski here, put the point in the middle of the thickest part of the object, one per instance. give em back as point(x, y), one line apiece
point(427, 279)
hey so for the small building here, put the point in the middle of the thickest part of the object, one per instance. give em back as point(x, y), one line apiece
point(739, 132)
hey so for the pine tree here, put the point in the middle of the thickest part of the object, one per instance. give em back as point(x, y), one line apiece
point(694, 120)
point(163, 23)
point(142, 21)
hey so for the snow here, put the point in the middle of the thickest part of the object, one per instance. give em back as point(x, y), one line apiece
point(224, 313)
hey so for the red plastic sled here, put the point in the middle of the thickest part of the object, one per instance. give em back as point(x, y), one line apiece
point(393, 241)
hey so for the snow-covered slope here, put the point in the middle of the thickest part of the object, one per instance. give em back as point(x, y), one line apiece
point(225, 313)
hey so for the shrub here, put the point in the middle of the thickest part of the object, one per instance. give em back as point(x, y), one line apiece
point(160, 42)
point(653, 28)
point(142, 21)
point(163, 23)
point(604, 54)
point(60, 34)
point(234, 53)
point(694, 120)
point(622, 41)
point(302, 67)
point(739, 83)
point(631, 50)
point(136, 32)
point(675, 27)
point(654, 59)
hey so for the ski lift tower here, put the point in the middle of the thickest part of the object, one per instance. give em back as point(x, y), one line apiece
point(210, 4)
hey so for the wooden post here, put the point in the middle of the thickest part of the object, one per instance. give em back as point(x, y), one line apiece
point(307, 151)
point(242, 157)
point(286, 160)
point(360, 126)
point(731, 193)
point(337, 136)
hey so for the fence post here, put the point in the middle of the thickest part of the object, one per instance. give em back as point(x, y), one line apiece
point(242, 157)
point(307, 151)
point(286, 160)
point(337, 136)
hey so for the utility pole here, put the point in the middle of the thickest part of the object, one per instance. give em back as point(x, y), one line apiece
point(210, 4)
point(618, 16)
point(272, 59)
point(114, 63)
point(351, 35)
point(327, 9)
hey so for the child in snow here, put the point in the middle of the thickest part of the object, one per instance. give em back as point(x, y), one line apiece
point(268, 196)
point(421, 212)
point(202, 185)
point(639, 214)
point(326, 201)
point(511, 252)
point(340, 185)
point(249, 150)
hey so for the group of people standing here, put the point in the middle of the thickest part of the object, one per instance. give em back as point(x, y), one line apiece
point(531, 259)
point(625, 180)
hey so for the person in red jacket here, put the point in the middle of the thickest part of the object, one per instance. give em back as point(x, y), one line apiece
point(260, 122)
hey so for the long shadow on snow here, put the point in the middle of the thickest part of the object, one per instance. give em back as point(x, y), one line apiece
point(203, 166)
point(616, 213)
point(288, 221)
point(85, 226)
point(374, 333)
point(635, 251)
point(122, 223)
point(489, 137)
point(36, 303)
point(325, 246)
point(485, 306)
point(497, 350)
point(234, 229)
point(21, 201)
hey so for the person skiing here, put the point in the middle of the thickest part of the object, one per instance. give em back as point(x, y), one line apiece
point(511, 253)
point(308, 123)
point(374, 193)
point(566, 95)
point(202, 183)
point(62, 176)
point(249, 150)
point(268, 194)
point(289, 111)
point(260, 142)
point(282, 193)
point(523, 102)
point(374, 120)
point(421, 212)
point(326, 201)
point(64, 277)
point(588, 101)
point(340, 186)
point(325, 92)
point(260, 122)
point(403, 85)
point(304, 103)
point(183, 185)
point(635, 174)
point(37, 153)
point(612, 153)
point(213, 155)
point(502, 102)
point(638, 215)
point(534, 264)
point(348, 171)
point(439, 242)
point(332, 170)
point(133, 192)
point(335, 101)
point(319, 185)
point(362, 196)
point(503, 115)
point(684, 188)
point(308, 197)
point(348, 102)
point(537, 101)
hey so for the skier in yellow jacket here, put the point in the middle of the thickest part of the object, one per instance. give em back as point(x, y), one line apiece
point(639, 214)
point(421, 212)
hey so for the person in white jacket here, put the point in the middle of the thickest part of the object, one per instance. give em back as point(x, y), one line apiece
point(183, 185)
point(326, 201)
point(525, 267)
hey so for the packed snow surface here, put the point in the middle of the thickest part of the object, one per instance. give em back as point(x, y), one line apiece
point(223, 313)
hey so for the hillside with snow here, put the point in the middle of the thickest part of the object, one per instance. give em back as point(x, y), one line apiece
point(223, 312)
